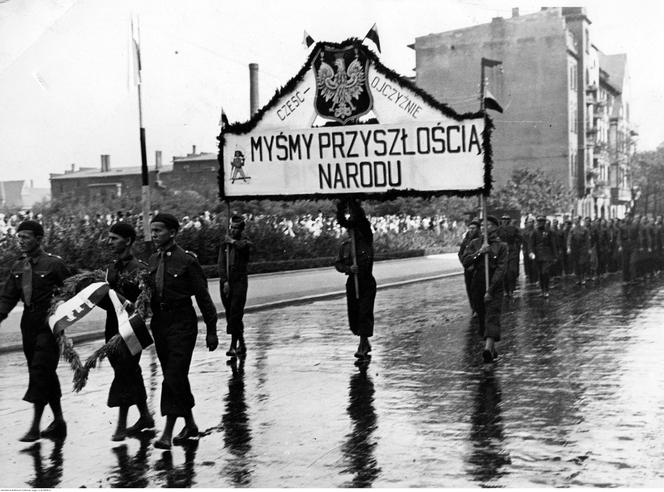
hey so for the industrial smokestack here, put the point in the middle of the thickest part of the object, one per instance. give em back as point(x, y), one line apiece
point(157, 159)
point(515, 11)
point(105, 163)
point(253, 88)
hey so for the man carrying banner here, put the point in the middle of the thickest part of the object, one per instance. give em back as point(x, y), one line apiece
point(233, 284)
point(488, 302)
point(356, 260)
point(33, 279)
point(472, 232)
point(175, 276)
point(127, 388)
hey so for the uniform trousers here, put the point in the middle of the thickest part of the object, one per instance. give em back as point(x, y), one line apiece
point(488, 313)
point(361, 311)
point(234, 306)
point(174, 335)
point(42, 354)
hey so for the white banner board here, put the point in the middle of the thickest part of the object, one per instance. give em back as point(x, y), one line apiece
point(409, 144)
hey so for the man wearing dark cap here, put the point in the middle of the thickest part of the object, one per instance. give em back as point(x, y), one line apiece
point(175, 276)
point(510, 235)
point(543, 252)
point(127, 388)
point(474, 231)
point(33, 279)
point(488, 302)
point(233, 283)
point(578, 247)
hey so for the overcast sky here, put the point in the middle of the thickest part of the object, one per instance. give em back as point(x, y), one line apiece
point(65, 95)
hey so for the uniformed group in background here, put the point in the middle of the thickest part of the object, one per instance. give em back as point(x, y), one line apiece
point(583, 249)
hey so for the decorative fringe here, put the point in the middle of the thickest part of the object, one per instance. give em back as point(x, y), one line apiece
point(238, 128)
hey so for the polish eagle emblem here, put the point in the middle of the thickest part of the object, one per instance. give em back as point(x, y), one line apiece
point(341, 80)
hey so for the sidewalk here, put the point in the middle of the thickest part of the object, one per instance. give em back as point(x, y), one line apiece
point(271, 290)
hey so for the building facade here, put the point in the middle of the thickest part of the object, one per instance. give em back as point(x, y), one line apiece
point(550, 87)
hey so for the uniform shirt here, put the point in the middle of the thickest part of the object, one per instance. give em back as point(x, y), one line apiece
point(497, 260)
point(543, 244)
point(361, 228)
point(511, 235)
point(119, 276)
point(183, 278)
point(48, 272)
point(239, 253)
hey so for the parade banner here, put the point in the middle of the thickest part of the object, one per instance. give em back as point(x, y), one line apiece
point(347, 125)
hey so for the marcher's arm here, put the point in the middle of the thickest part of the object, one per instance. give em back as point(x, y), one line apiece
point(9, 297)
point(471, 253)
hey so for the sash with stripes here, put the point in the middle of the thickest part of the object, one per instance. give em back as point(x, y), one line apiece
point(132, 328)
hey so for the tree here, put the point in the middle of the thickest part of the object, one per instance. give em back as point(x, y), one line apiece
point(533, 192)
point(647, 169)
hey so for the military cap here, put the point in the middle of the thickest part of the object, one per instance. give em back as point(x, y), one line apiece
point(506, 217)
point(239, 220)
point(168, 220)
point(493, 220)
point(31, 225)
point(540, 218)
point(475, 222)
point(123, 229)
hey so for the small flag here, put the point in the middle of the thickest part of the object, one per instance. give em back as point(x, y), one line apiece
point(491, 102)
point(490, 63)
point(136, 52)
point(307, 40)
point(223, 120)
point(373, 36)
point(132, 329)
point(77, 307)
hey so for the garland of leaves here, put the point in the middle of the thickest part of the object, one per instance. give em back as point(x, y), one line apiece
point(115, 345)
point(238, 128)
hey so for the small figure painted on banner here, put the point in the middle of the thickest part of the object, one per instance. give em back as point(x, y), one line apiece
point(175, 276)
point(127, 388)
point(33, 279)
point(237, 164)
point(488, 302)
point(355, 259)
point(233, 260)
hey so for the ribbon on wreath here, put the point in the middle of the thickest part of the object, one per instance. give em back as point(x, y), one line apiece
point(133, 334)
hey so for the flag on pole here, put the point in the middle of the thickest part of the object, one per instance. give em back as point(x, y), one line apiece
point(136, 52)
point(373, 36)
point(223, 120)
point(307, 40)
point(490, 102)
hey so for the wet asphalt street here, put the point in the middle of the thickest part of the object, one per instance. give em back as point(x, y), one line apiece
point(576, 398)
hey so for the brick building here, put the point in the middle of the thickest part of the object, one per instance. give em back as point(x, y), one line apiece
point(194, 171)
point(559, 93)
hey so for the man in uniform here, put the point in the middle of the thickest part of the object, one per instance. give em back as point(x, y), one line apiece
point(529, 266)
point(511, 236)
point(625, 247)
point(472, 232)
point(578, 248)
point(33, 279)
point(544, 252)
point(488, 302)
point(356, 260)
point(127, 388)
point(175, 276)
point(232, 263)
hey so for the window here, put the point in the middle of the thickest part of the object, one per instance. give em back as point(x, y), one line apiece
point(572, 77)
point(572, 163)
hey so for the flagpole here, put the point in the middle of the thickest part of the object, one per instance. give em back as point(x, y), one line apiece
point(145, 186)
point(483, 196)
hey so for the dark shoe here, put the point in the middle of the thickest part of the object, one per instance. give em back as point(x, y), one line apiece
point(140, 426)
point(241, 351)
point(487, 356)
point(162, 444)
point(55, 430)
point(30, 436)
point(119, 435)
point(231, 352)
point(185, 434)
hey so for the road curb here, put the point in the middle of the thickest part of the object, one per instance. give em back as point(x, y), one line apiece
point(86, 337)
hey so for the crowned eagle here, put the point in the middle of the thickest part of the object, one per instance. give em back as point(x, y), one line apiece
point(342, 86)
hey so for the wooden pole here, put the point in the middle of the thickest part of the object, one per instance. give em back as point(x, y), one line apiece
point(483, 197)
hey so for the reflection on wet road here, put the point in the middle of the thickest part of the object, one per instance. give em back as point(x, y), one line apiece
point(575, 399)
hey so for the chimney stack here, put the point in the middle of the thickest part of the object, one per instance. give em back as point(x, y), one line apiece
point(157, 159)
point(515, 12)
point(253, 88)
point(193, 150)
point(105, 163)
